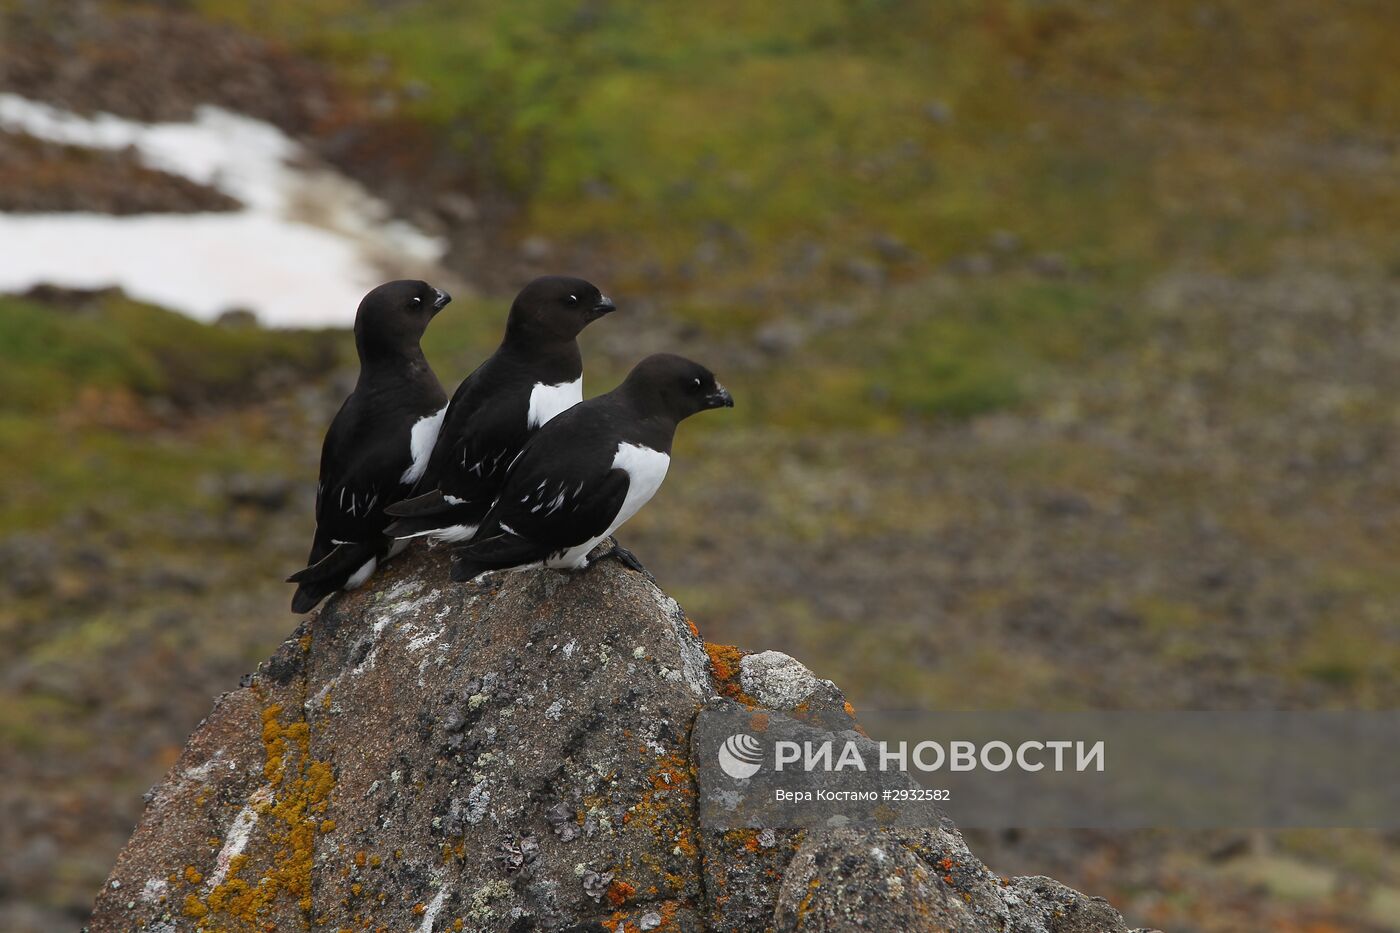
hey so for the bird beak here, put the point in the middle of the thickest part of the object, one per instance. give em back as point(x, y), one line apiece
point(441, 301)
point(720, 398)
point(604, 306)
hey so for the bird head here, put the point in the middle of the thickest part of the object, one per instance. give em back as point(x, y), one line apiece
point(557, 307)
point(674, 386)
point(393, 317)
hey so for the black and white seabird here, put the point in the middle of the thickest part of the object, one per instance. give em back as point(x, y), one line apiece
point(379, 442)
point(589, 471)
point(536, 373)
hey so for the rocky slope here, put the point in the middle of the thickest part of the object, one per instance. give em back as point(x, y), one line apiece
point(429, 757)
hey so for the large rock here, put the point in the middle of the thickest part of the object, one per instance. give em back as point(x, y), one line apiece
point(425, 756)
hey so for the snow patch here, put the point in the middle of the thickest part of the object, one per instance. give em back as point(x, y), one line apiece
point(303, 251)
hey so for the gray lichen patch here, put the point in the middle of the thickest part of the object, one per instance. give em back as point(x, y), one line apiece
point(776, 680)
point(694, 664)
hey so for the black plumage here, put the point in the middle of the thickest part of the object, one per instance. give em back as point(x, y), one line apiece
point(589, 470)
point(536, 373)
point(379, 442)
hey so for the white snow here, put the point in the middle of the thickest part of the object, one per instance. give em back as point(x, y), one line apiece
point(304, 249)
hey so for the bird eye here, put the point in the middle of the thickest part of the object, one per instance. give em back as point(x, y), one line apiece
point(571, 300)
point(696, 382)
point(417, 300)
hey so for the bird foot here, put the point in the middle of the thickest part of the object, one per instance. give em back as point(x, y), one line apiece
point(626, 558)
point(484, 584)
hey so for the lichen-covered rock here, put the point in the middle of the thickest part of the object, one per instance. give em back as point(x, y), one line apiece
point(776, 680)
point(430, 757)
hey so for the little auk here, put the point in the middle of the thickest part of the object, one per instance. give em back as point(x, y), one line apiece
point(378, 444)
point(536, 373)
point(589, 470)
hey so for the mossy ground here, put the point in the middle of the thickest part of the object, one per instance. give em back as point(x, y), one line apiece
point(1083, 391)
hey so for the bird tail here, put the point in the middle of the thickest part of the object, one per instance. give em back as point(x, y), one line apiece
point(429, 503)
point(432, 514)
point(464, 569)
point(493, 549)
point(337, 570)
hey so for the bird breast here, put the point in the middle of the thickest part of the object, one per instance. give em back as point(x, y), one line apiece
point(548, 401)
point(420, 445)
point(645, 469)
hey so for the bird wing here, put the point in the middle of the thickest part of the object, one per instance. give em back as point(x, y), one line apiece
point(363, 460)
point(350, 507)
point(478, 443)
point(538, 516)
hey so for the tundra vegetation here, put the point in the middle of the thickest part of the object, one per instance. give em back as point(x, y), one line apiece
point(1064, 338)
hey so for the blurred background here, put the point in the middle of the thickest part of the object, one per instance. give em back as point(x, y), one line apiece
point(1065, 338)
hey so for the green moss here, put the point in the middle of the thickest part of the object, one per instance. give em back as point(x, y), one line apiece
point(51, 355)
point(1109, 134)
point(78, 428)
point(118, 473)
point(42, 723)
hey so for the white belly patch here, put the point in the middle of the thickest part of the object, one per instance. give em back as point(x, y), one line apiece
point(645, 469)
point(548, 401)
point(421, 441)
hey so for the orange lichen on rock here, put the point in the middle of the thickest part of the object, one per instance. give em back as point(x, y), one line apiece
point(620, 892)
point(192, 875)
point(746, 839)
point(304, 787)
point(667, 909)
point(666, 808)
point(724, 661)
point(671, 771)
point(274, 738)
